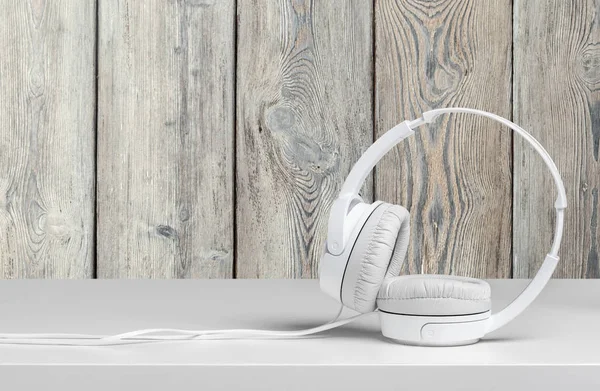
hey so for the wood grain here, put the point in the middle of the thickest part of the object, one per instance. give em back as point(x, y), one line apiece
point(304, 115)
point(166, 135)
point(557, 99)
point(47, 51)
point(455, 175)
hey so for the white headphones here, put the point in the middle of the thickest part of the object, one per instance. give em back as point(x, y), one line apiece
point(367, 244)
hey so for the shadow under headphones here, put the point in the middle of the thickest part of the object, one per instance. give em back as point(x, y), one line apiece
point(367, 243)
point(366, 246)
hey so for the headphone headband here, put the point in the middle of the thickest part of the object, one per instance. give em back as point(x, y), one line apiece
point(337, 237)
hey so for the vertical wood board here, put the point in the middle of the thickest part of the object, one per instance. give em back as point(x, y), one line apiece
point(165, 133)
point(454, 176)
point(557, 99)
point(304, 116)
point(47, 103)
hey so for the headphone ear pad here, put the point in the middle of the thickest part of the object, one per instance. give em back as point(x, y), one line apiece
point(378, 253)
point(434, 295)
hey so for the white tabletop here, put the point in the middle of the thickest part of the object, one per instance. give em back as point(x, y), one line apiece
point(555, 342)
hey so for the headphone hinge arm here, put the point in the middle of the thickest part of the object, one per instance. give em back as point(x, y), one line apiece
point(336, 236)
point(360, 171)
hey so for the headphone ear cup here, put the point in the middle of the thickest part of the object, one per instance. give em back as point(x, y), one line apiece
point(434, 295)
point(378, 253)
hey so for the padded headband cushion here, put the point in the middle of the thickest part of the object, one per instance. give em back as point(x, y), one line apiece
point(434, 295)
point(378, 253)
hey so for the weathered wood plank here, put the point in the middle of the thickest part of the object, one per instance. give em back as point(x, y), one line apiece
point(47, 94)
point(455, 175)
point(166, 139)
point(304, 116)
point(557, 99)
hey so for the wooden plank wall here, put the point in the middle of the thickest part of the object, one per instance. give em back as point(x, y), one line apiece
point(208, 139)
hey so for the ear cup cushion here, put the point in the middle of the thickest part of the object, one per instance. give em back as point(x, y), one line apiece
point(433, 295)
point(378, 253)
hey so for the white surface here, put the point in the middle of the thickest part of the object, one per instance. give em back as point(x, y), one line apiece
point(556, 340)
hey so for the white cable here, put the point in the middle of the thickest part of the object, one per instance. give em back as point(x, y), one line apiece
point(140, 336)
point(190, 334)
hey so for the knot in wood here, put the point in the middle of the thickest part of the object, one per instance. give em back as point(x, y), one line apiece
point(589, 65)
point(56, 224)
point(166, 231)
point(280, 119)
